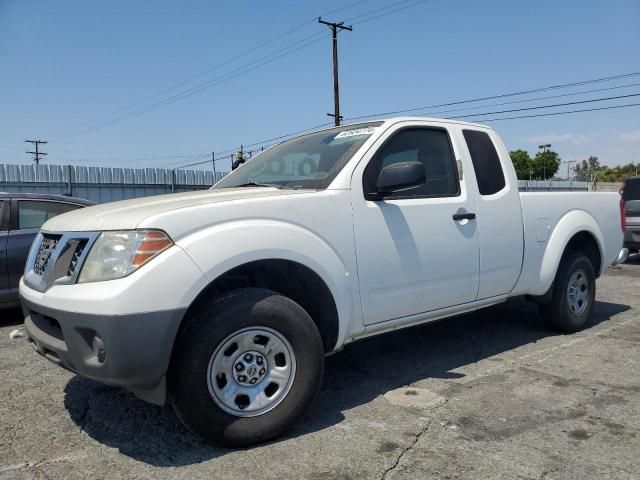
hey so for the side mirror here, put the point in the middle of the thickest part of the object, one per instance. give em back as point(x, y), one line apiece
point(400, 176)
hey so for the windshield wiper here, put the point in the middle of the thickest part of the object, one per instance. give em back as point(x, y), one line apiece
point(254, 184)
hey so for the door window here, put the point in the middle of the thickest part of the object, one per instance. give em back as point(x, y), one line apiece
point(32, 214)
point(431, 147)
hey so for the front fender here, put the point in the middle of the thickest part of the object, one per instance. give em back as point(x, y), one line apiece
point(222, 247)
point(570, 224)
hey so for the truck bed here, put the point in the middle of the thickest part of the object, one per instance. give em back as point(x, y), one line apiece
point(550, 220)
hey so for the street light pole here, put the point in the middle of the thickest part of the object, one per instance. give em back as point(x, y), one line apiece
point(544, 159)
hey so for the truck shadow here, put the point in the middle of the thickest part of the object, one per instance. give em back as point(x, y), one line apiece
point(354, 376)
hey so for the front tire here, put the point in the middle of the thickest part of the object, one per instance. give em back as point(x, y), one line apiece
point(245, 367)
point(574, 292)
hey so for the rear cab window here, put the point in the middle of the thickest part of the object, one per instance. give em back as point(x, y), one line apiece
point(33, 213)
point(486, 162)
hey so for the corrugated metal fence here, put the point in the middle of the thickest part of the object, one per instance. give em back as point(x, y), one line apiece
point(552, 185)
point(104, 184)
point(101, 184)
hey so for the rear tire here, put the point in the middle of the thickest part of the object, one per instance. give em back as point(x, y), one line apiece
point(245, 367)
point(574, 291)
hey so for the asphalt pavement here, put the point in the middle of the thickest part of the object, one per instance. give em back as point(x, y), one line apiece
point(486, 395)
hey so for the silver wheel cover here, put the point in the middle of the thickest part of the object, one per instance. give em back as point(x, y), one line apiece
point(251, 371)
point(578, 292)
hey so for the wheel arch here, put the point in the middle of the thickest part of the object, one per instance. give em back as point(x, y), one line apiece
point(289, 278)
point(577, 230)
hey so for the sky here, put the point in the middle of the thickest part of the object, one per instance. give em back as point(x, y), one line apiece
point(93, 65)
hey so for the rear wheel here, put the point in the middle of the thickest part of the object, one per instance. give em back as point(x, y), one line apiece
point(245, 367)
point(574, 292)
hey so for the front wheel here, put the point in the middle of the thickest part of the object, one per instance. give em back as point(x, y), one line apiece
point(574, 292)
point(245, 367)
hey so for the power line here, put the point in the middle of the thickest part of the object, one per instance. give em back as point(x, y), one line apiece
point(473, 115)
point(384, 7)
point(151, 156)
point(266, 141)
point(340, 9)
point(551, 114)
point(203, 86)
point(562, 95)
point(383, 14)
point(135, 147)
point(184, 82)
point(262, 142)
point(216, 81)
point(460, 102)
point(504, 95)
point(212, 69)
point(538, 107)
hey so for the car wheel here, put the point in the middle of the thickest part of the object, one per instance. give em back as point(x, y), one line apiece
point(245, 367)
point(574, 291)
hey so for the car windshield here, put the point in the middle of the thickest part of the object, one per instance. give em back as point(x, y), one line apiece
point(310, 161)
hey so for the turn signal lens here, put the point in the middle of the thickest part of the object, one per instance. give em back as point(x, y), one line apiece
point(154, 242)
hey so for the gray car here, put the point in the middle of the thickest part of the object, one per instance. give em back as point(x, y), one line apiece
point(631, 199)
point(21, 216)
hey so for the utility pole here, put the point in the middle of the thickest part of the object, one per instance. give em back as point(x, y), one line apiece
point(213, 162)
point(335, 28)
point(37, 154)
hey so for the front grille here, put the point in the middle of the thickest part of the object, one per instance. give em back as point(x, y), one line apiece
point(56, 258)
point(68, 259)
point(75, 257)
point(47, 246)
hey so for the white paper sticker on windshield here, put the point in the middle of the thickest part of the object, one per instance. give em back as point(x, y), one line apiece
point(356, 132)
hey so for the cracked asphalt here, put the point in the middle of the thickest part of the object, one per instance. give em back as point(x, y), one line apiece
point(493, 395)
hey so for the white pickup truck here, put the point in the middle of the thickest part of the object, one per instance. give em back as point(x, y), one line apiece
point(224, 302)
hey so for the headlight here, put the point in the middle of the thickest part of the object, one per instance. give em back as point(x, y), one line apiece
point(117, 254)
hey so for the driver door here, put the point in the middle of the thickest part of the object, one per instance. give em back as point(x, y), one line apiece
point(413, 256)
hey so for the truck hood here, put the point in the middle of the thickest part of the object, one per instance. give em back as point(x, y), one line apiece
point(128, 214)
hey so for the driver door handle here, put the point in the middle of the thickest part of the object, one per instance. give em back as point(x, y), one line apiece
point(463, 216)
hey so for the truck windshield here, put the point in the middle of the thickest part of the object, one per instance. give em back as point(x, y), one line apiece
point(310, 161)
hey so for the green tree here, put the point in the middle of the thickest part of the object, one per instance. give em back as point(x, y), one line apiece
point(521, 162)
point(619, 173)
point(545, 164)
point(587, 168)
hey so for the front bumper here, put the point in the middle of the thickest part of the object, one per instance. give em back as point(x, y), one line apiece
point(119, 332)
point(131, 351)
